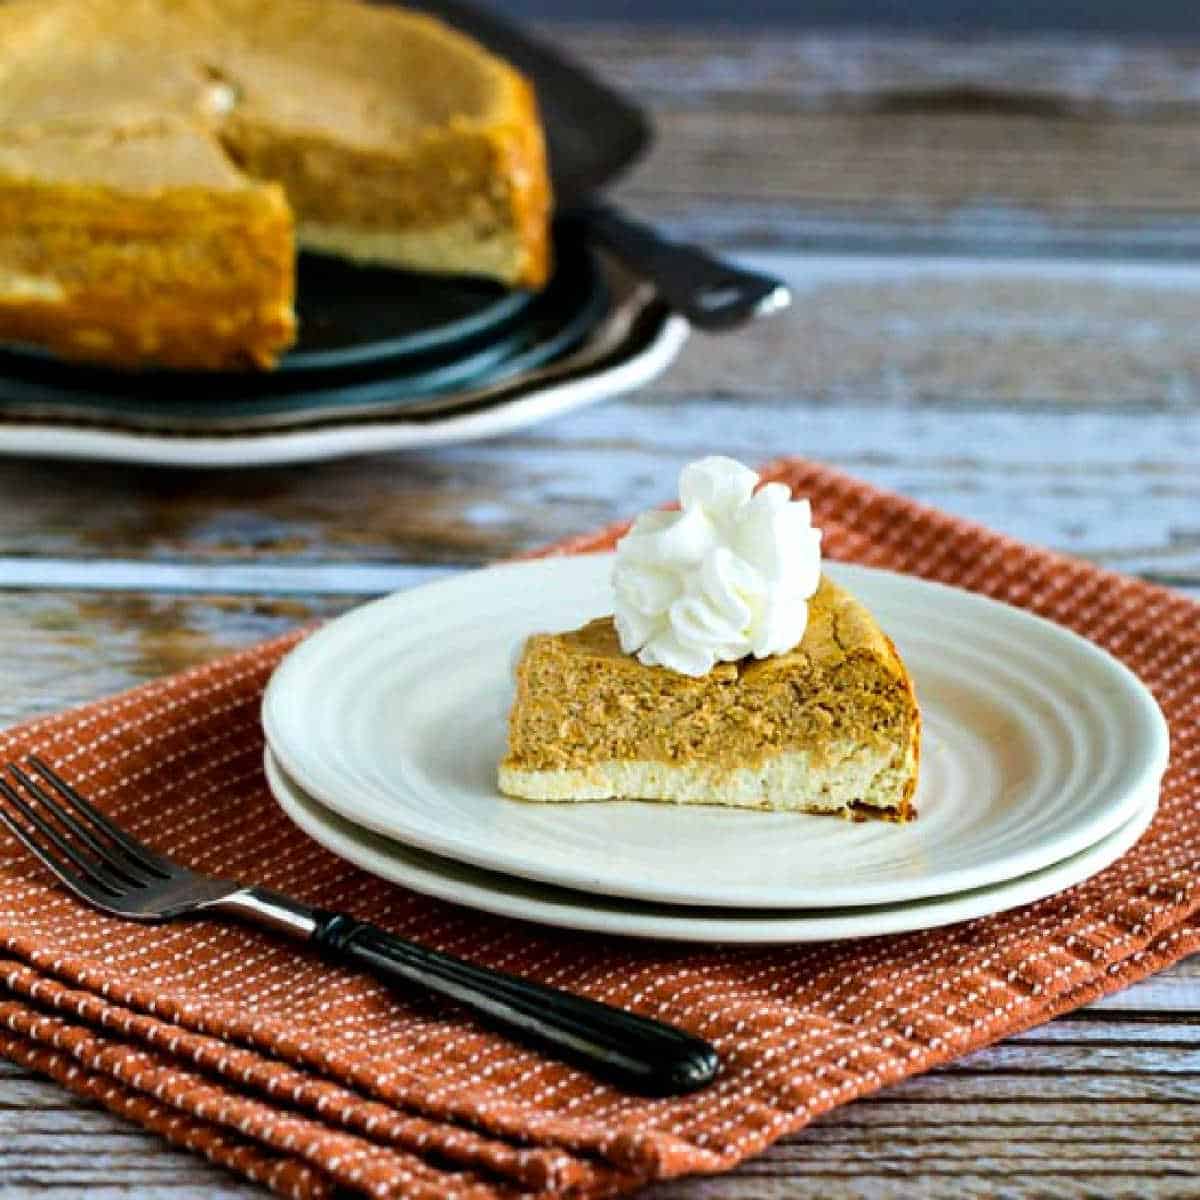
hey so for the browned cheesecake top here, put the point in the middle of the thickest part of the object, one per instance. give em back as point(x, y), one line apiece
point(396, 138)
point(373, 76)
point(580, 699)
point(838, 625)
point(164, 158)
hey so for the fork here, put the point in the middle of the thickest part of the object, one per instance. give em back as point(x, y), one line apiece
point(111, 870)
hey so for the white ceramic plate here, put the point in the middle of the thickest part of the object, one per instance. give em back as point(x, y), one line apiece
point(507, 896)
point(1037, 745)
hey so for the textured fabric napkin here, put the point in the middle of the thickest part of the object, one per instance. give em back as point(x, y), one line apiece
point(310, 1078)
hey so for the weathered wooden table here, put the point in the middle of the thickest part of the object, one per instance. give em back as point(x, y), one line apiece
point(996, 255)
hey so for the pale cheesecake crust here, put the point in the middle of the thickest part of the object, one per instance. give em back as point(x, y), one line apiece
point(848, 776)
point(832, 726)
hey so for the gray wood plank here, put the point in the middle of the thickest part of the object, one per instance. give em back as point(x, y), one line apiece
point(937, 159)
point(709, 69)
point(259, 578)
point(61, 648)
point(1002, 144)
point(1055, 401)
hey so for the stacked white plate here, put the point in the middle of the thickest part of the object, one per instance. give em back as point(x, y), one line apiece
point(1042, 758)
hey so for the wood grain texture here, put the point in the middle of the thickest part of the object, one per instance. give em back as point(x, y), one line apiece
point(762, 69)
point(1055, 400)
point(937, 159)
point(991, 144)
point(991, 244)
point(62, 648)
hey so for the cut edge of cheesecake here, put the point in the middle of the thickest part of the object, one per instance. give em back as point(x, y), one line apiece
point(856, 774)
point(857, 778)
point(220, 246)
point(467, 193)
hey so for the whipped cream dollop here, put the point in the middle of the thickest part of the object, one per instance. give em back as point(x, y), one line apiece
point(728, 575)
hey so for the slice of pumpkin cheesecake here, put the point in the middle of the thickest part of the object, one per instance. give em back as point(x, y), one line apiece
point(830, 726)
point(731, 672)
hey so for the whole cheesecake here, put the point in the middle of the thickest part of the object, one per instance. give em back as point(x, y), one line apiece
point(830, 726)
point(160, 159)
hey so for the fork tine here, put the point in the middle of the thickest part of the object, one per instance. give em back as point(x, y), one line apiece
point(93, 873)
point(142, 855)
point(89, 891)
point(24, 838)
point(111, 856)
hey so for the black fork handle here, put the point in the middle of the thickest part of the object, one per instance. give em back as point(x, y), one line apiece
point(711, 292)
point(636, 1052)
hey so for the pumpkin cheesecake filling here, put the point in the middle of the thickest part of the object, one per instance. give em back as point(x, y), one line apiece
point(831, 726)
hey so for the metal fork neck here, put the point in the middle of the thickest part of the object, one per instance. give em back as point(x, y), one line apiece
point(272, 910)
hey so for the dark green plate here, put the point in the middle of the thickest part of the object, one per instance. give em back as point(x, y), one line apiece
point(351, 315)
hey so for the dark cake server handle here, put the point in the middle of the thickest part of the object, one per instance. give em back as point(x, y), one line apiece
point(712, 293)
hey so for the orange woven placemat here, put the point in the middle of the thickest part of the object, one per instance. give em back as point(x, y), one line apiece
point(310, 1078)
